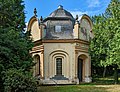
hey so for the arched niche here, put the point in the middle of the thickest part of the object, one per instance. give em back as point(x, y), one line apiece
point(37, 71)
point(64, 57)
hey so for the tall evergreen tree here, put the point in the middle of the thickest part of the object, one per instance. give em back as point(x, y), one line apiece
point(14, 44)
point(12, 14)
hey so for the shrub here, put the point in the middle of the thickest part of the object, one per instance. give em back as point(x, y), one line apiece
point(19, 81)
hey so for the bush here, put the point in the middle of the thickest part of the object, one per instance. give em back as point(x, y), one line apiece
point(19, 81)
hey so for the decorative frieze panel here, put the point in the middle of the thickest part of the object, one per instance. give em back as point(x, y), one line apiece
point(37, 49)
point(81, 45)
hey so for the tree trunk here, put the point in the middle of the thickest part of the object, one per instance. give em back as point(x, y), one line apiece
point(104, 72)
point(115, 74)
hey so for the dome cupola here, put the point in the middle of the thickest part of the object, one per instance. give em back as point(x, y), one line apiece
point(61, 13)
point(59, 24)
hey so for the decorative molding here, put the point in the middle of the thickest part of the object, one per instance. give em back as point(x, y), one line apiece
point(38, 42)
point(37, 49)
point(80, 50)
point(81, 45)
point(31, 22)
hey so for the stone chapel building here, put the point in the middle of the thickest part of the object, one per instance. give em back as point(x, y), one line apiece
point(61, 45)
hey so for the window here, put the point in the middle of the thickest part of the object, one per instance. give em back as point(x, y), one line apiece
point(57, 28)
point(58, 66)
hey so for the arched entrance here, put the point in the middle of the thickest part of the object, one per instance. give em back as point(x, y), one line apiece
point(80, 69)
point(81, 64)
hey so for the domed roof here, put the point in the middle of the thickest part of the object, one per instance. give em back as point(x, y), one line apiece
point(61, 13)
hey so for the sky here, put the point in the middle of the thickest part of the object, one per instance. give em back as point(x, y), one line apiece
point(75, 7)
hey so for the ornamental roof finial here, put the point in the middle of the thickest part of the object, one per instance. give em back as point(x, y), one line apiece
point(76, 17)
point(41, 19)
point(60, 7)
point(35, 12)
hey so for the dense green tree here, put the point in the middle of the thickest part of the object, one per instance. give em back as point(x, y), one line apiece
point(12, 14)
point(98, 53)
point(113, 21)
point(14, 50)
point(105, 47)
point(15, 45)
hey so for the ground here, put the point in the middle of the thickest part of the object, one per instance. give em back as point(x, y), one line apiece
point(99, 85)
point(80, 88)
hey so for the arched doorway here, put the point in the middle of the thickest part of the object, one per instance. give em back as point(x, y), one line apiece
point(80, 69)
point(81, 64)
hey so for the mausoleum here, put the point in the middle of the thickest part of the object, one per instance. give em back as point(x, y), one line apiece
point(61, 44)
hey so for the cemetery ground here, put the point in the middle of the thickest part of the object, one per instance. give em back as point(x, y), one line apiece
point(98, 85)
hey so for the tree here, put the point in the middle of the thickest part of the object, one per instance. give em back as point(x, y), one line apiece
point(12, 14)
point(113, 15)
point(106, 44)
point(98, 53)
point(14, 44)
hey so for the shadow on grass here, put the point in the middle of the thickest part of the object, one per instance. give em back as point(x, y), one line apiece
point(104, 81)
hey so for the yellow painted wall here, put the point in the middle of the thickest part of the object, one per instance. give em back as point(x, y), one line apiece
point(35, 31)
point(65, 50)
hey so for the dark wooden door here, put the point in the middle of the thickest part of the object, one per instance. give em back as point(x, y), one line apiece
point(80, 69)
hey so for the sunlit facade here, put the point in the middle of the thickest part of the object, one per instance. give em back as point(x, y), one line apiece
point(61, 45)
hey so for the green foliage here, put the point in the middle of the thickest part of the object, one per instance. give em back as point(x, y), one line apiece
point(14, 50)
point(98, 42)
point(15, 46)
point(113, 22)
point(12, 14)
point(106, 43)
point(105, 47)
point(18, 81)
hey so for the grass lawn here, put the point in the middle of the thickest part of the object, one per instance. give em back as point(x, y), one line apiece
point(80, 88)
point(99, 85)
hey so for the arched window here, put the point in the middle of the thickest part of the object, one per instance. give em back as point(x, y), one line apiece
point(58, 66)
point(37, 65)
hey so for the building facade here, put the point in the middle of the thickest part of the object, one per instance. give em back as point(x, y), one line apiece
point(61, 45)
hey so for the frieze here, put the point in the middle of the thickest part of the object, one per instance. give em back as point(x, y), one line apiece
point(81, 45)
point(37, 49)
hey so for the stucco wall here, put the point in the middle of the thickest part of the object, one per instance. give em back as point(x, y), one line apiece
point(35, 31)
point(64, 50)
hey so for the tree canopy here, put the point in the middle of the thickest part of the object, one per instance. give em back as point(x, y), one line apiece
point(15, 45)
point(105, 47)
